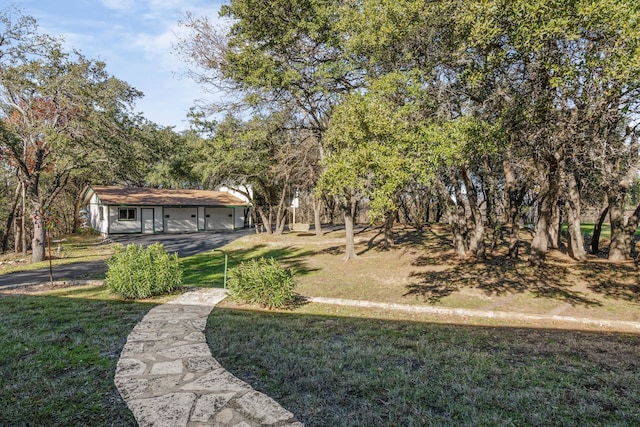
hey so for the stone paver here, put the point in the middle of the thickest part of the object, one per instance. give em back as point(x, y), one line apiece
point(168, 377)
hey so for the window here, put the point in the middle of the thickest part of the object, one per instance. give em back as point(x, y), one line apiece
point(101, 210)
point(127, 214)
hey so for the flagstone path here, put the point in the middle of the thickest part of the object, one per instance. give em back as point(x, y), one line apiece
point(168, 377)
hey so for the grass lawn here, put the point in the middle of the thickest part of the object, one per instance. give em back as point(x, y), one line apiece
point(350, 366)
point(344, 371)
point(58, 357)
point(421, 270)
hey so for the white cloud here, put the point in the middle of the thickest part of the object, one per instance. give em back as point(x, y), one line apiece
point(119, 4)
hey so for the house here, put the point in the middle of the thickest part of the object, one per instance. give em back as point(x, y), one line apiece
point(117, 210)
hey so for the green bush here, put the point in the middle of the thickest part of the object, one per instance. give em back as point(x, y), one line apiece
point(136, 272)
point(262, 281)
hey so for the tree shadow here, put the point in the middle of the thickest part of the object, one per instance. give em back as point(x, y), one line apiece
point(616, 285)
point(497, 276)
point(290, 256)
point(333, 250)
point(407, 237)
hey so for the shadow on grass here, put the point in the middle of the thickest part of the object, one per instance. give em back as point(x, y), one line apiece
point(331, 370)
point(497, 276)
point(207, 269)
point(611, 280)
point(405, 236)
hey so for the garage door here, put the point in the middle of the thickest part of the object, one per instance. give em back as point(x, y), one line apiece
point(180, 220)
point(218, 219)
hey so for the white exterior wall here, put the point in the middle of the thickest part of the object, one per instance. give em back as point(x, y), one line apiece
point(116, 226)
point(93, 209)
point(158, 223)
point(178, 220)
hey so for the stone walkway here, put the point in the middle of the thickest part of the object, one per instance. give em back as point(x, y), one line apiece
point(167, 375)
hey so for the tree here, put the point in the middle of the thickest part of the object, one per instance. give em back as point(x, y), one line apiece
point(372, 145)
point(287, 56)
point(556, 75)
point(262, 158)
point(63, 110)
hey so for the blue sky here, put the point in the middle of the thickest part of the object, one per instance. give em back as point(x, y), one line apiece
point(135, 38)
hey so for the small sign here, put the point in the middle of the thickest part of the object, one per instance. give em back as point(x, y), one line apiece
point(295, 202)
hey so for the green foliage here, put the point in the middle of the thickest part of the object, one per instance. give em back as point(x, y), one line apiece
point(137, 272)
point(262, 281)
point(374, 142)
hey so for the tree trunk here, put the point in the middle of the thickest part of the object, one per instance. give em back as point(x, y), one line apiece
point(76, 208)
point(18, 229)
point(575, 246)
point(597, 229)
point(555, 227)
point(631, 227)
point(266, 220)
point(455, 217)
point(39, 227)
point(39, 235)
point(317, 206)
point(459, 224)
point(349, 219)
point(476, 240)
point(23, 221)
point(389, 218)
point(438, 216)
point(547, 201)
point(618, 248)
point(515, 197)
point(281, 212)
point(9, 223)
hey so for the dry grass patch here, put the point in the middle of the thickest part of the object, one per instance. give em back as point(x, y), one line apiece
point(420, 269)
point(73, 248)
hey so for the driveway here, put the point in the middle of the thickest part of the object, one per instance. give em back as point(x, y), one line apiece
point(185, 244)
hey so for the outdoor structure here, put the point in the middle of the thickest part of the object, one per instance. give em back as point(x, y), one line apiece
point(118, 210)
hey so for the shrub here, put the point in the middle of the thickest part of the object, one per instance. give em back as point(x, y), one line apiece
point(136, 272)
point(262, 281)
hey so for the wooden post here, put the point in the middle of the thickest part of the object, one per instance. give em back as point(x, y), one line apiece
point(226, 259)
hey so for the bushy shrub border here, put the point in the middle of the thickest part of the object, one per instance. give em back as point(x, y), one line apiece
point(138, 272)
point(262, 281)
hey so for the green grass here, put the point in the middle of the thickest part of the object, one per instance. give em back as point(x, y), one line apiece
point(58, 358)
point(369, 372)
point(587, 229)
point(207, 269)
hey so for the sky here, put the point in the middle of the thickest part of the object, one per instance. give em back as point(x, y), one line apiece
point(136, 39)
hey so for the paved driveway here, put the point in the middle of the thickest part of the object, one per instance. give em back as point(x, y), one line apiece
point(185, 244)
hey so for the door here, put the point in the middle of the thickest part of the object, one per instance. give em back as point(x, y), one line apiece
point(147, 220)
point(180, 220)
point(218, 219)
